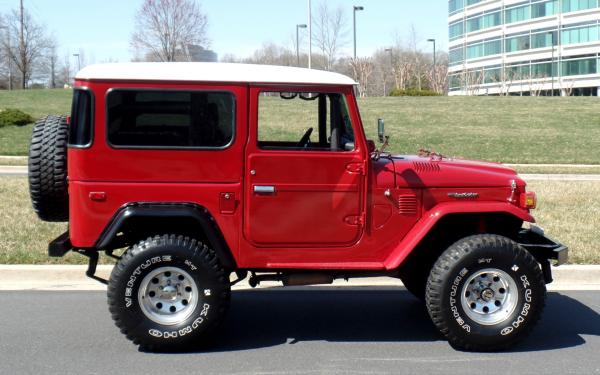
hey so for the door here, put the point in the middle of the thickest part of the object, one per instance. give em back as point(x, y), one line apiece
point(304, 173)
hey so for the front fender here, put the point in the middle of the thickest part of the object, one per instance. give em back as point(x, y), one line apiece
point(431, 217)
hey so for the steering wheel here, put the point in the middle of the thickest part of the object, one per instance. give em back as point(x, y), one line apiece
point(305, 140)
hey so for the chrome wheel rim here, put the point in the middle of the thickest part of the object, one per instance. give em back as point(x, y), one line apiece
point(168, 295)
point(489, 296)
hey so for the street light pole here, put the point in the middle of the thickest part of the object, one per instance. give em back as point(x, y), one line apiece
point(8, 61)
point(434, 62)
point(356, 8)
point(302, 26)
point(309, 35)
point(78, 61)
point(391, 51)
point(552, 63)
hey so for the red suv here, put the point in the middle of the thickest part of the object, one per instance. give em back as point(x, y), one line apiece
point(206, 174)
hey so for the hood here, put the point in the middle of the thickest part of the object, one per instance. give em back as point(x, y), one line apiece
point(417, 171)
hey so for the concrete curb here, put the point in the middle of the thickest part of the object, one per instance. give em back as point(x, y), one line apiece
point(72, 277)
point(13, 170)
point(560, 177)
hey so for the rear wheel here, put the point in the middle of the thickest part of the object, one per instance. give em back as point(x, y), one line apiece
point(168, 292)
point(485, 293)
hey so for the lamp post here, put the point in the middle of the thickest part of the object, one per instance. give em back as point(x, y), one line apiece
point(356, 8)
point(301, 26)
point(78, 61)
point(552, 63)
point(309, 35)
point(391, 52)
point(8, 62)
point(434, 62)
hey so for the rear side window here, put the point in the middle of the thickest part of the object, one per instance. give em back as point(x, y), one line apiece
point(80, 128)
point(170, 119)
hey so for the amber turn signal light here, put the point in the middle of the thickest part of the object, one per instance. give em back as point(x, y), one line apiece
point(528, 200)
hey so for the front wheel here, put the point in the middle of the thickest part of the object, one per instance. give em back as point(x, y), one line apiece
point(168, 292)
point(485, 293)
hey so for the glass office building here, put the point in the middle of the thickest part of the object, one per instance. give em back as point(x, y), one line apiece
point(524, 47)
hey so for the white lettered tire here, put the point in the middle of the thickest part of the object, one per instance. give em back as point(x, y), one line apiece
point(485, 293)
point(168, 292)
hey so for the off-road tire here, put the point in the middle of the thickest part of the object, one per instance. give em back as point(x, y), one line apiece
point(464, 261)
point(48, 186)
point(186, 255)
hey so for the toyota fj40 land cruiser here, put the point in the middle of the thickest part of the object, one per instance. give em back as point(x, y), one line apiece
point(207, 173)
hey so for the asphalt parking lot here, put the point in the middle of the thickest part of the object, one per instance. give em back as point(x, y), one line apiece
point(366, 330)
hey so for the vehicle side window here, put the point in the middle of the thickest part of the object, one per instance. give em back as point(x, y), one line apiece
point(304, 121)
point(170, 119)
point(81, 127)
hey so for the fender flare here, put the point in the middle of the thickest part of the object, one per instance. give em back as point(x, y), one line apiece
point(431, 217)
point(197, 213)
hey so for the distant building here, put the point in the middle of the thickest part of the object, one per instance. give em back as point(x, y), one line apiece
point(531, 47)
point(199, 54)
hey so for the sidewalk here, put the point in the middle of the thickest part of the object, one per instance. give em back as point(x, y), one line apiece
point(70, 277)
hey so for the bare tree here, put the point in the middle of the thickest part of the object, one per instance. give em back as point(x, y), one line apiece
point(567, 87)
point(272, 54)
point(25, 45)
point(329, 33)
point(165, 28)
point(52, 61)
point(363, 68)
point(438, 75)
point(65, 72)
point(416, 56)
point(472, 81)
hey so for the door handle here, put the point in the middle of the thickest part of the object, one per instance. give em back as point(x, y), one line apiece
point(264, 189)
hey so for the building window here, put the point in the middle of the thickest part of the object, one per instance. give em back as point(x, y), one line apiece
point(491, 20)
point(548, 8)
point(518, 43)
point(579, 67)
point(456, 30)
point(517, 14)
point(455, 56)
point(575, 5)
point(474, 24)
point(455, 6)
point(518, 72)
point(583, 34)
point(454, 82)
point(493, 75)
point(170, 119)
point(493, 47)
point(544, 39)
point(543, 69)
point(475, 51)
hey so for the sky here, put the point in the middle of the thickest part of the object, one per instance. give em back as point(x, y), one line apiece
point(102, 28)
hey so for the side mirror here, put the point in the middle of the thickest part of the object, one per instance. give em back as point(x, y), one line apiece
point(381, 130)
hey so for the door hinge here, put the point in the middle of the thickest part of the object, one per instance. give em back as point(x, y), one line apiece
point(355, 220)
point(358, 168)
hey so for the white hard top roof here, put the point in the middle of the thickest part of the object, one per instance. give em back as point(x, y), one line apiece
point(210, 72)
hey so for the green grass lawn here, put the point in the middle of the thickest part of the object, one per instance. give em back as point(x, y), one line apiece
point(504, 129)
point(14, 140)
point(570, 218)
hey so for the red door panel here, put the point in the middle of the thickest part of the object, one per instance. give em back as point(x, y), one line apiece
point(302, 198)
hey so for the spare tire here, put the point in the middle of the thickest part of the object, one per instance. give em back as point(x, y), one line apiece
point(48, 169)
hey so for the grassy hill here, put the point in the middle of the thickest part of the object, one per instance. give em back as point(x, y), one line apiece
point(504, 129)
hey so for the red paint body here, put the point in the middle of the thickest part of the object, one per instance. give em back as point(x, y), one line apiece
point(330, 211)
